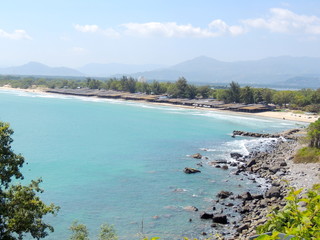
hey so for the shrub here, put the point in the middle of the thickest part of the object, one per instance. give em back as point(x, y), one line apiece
point(293, 219)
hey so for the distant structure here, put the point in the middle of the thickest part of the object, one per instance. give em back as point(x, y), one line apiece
point(141, 79)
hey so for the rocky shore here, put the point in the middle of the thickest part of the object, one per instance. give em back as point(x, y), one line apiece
point(274, 165)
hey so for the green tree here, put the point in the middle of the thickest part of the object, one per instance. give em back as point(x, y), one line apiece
point(107, 232)
point(21, 210)
point(247, 95)
point(204, 91)
point(191, 92)
point(233, 93)
point(314, 134)
point(80, 232)
point(282, 97)
point(182, 88)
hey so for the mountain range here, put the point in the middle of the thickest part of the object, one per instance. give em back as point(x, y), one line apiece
point(274, 70)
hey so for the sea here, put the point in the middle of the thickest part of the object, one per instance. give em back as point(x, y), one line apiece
point(121, 162)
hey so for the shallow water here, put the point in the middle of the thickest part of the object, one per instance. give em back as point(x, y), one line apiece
point(121, 162)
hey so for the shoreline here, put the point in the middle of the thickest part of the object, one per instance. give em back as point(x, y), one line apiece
point(287, 115)
point(275, 165)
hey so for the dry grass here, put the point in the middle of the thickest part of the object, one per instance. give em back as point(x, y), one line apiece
point(307, 155)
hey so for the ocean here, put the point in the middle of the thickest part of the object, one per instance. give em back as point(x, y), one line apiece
point(121, 162)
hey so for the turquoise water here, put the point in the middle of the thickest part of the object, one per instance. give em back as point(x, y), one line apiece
point(121, 162)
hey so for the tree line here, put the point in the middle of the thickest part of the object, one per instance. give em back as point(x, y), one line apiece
point(304, 99)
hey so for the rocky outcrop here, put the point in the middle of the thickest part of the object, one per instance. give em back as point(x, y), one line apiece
point(191, 170)
point(196, 156)
point(224, 194)
point(286, 134)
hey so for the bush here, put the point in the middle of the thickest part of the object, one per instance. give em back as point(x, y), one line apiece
point(293, 219)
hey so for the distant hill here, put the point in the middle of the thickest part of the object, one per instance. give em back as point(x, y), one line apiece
point(35, 68)
point(109, 69)
point(300, 72)
point(270, 70)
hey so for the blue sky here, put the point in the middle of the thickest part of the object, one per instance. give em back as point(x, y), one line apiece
point(73, 33)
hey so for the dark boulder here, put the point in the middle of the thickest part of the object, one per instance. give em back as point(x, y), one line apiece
point(251, 163)
point(257, 196)
point(191, 170)
point(225, 167)
point(224, 194)
point(222, 219)
point(206, 215)
point(236, 155)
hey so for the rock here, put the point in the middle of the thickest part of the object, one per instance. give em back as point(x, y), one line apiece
point(191, 208)
point(246, 196)
point(218, 166)
point(224, 194)
point(257, 196)
point(273, 192)
point(242, 227)
point(283, 164)
point(236, 155)
point(221, 161)
point(245, 209)
point(197, 156)
point(206, 215)
point(225, 167)
point(222, 219)
point(251, 163)
point(233, 164)
point(274, 169)
point(191, 170)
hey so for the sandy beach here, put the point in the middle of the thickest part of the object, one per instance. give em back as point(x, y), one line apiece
point(285, 115)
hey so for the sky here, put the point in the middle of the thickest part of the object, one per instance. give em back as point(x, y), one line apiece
point(73, 33)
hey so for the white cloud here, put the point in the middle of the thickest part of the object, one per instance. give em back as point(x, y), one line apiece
point(285, 21)
point(109, 32)
point(172, 29)
point(280, 20)
point(86, 28)
point(16, 35)
point(224, 28)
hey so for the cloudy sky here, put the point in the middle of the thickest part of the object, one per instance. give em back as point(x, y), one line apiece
point(76, 32)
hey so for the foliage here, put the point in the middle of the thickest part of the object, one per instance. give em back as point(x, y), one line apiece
point(232, 94)
point(107, 232)
point(293, 219)
point(314, 134)
point(21, 210)
point(80, 232)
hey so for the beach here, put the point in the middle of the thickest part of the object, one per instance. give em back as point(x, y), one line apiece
point(285, 115)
